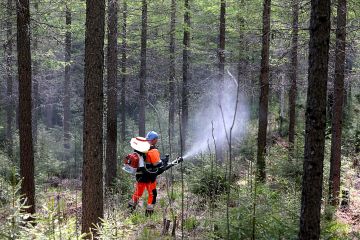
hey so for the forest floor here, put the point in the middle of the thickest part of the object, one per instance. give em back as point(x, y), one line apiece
point(351, 215)
point(59, 207)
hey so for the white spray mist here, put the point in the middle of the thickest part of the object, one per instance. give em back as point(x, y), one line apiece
point(207, 115)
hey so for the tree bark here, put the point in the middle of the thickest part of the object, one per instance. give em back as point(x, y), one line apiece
point(142, 97)
point(315, 120)
point(282, 105)
point(10, 103)
point(111, 131)
point(172, 79)
point(25, 127)
point(221, 51)
point(186, 75)
point(337, 119)
point(264, 93)
point(221, 56)
point(123, 73)
point(92, 185)
point(67, 79)
point(35, 114)
point(293, 75)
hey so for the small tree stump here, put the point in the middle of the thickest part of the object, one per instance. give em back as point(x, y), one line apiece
point(166, 226)
point(173, 232)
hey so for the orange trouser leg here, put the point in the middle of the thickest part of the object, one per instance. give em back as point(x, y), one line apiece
point(139, 190)
point(151, 188)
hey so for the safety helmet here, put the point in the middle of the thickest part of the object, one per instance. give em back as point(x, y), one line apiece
point(151, 136)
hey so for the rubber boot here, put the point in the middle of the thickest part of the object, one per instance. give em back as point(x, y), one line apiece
point(149, 210)
point(132, 206)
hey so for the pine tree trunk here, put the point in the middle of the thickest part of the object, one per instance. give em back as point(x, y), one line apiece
point(111, 131)
point(10, 103)
point(221, 51)
point(315, 120)
point(241, 69)
point(142, 97)
point(293, 75)
point(282, 105)
point(221, 56)
point(337, 119)
point(123, 73)
point(186, 75)
point(172, 72)
point(35, 114)
point(67, 80)
point(264, 93)
point(25, 128)
point(92, 185)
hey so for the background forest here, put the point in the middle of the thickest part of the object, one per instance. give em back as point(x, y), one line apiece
point(232, 86)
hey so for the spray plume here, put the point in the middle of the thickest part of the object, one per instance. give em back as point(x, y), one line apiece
point(212, 114)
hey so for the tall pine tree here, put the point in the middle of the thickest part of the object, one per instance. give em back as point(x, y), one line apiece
point(25, 127)
point(337, 116)
point(92, 178)
point(315, 120)
point(112, 59)
point(264, 92)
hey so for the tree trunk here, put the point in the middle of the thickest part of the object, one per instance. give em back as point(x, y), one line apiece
point(293, 75)
point(315, 120)
point(25, 128)
point(111, 131)
point(241, 66)
point(35, 114)
point(186, 75)
point(221, 56)
point(282, 105)
point(172, 72)
point(10, 103)
point(67, 80)
point(264, 93)
point(221, 51)
point(92, 185)
point(142, 97)
point(337, 119)
point(123, 73)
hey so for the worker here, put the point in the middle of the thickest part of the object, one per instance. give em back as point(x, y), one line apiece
point(147, 171)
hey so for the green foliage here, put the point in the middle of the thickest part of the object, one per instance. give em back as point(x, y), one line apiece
point(8, 171)
point(191, 223)
point(49, 148)
point(123, 186)
point(16, 219)
point(208, 182)
point(335, 230)
point(148, 233)
point(113, 228)
point(281, 168)
point(137, 218)
point(276, 215)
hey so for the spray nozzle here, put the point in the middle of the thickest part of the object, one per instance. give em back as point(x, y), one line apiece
point(178, 160)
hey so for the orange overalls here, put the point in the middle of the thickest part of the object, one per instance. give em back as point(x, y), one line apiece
point(147, 180)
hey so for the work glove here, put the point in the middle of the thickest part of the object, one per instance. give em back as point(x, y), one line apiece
point(165, 160)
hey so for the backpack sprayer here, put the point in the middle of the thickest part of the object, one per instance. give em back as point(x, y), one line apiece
point(133, 161)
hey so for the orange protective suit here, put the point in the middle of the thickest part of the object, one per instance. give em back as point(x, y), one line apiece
point(146, 179)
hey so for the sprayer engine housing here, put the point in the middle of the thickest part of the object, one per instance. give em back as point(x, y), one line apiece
point(132, 160)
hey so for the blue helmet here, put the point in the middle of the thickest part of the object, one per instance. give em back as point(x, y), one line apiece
point(151, 136)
